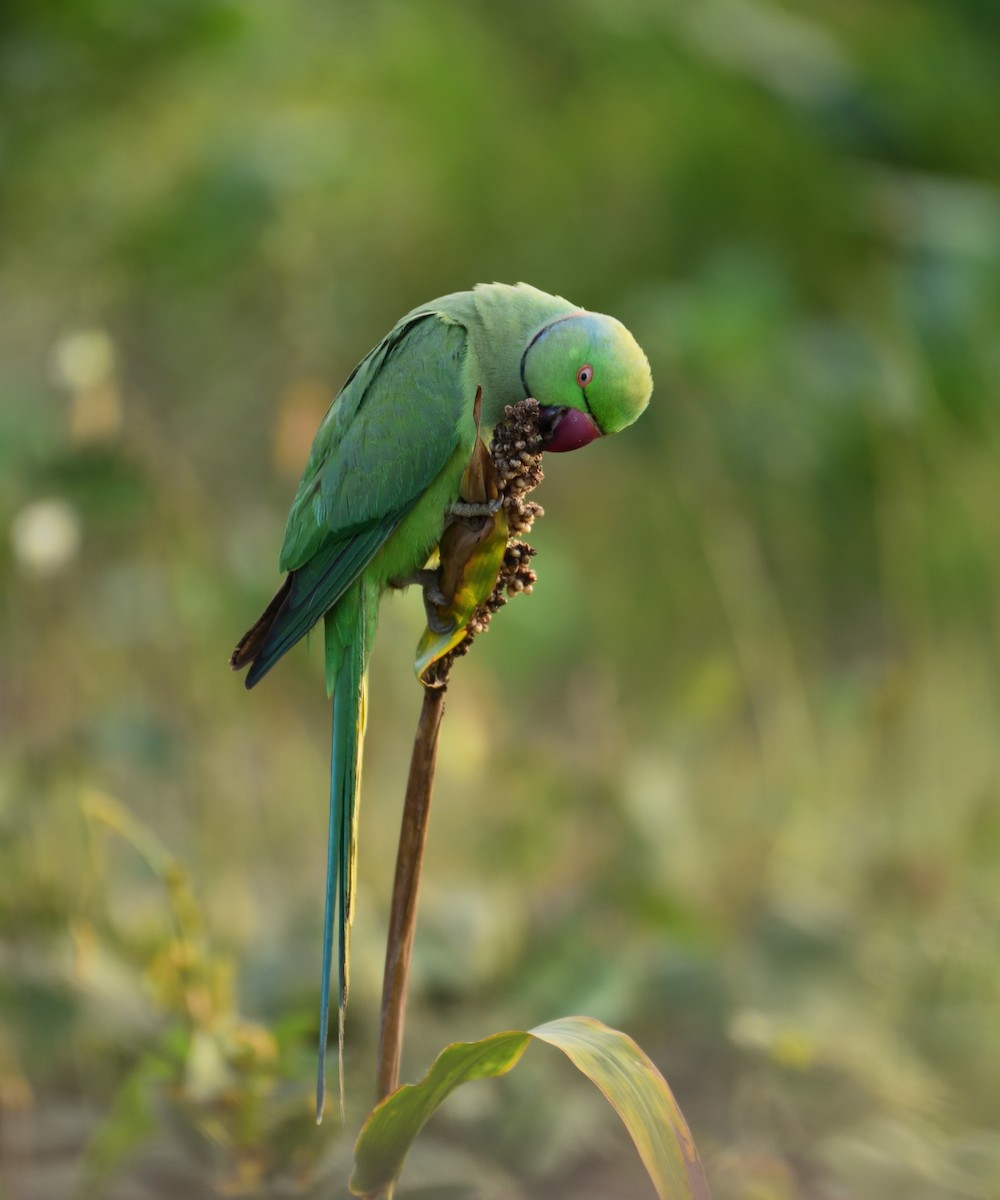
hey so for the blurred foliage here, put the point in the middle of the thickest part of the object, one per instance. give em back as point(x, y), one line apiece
point(728, 780)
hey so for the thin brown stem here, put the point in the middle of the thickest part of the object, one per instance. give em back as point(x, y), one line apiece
point(403, 914)
point(514, 467)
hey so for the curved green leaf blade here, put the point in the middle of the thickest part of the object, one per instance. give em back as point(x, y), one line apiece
point(641, 1097)
point(393, 1125)
point(610, 1059)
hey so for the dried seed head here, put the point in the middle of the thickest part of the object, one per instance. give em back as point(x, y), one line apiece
point(516, 450)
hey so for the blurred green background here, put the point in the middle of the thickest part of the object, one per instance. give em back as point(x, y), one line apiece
point(727, 780)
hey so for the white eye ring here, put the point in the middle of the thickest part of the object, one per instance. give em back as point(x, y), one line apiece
point(585, 375)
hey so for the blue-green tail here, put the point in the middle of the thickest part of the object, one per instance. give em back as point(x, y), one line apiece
point(346, 662)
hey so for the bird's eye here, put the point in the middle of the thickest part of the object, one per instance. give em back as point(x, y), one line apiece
point(585, 375)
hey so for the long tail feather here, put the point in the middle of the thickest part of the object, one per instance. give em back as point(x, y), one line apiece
point(345, 780)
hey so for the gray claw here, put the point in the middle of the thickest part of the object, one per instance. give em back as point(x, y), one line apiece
point(434, 598)
point(469, 508)
point(435, 622)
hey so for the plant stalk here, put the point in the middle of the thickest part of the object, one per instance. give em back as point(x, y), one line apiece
point(403, 913)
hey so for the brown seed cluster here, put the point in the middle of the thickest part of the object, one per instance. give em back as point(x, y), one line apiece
point(516, 450)
point(517, 455)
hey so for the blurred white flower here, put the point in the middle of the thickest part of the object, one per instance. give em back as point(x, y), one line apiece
point(84, 363)
point(84, 360)
point(46, 536)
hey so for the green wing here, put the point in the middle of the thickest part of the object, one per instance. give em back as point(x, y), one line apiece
point(392, 429)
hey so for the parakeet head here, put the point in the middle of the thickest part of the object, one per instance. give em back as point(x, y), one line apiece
point(589, 377)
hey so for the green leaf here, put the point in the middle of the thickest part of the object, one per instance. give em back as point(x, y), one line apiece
point(394, 1123)
point(610, 1059)
point(474, 562)
point(641, 1097)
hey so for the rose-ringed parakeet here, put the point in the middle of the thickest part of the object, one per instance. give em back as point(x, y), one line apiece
point(382, 478)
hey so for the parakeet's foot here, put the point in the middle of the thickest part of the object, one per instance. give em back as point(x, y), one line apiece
point(470, 508)
point(434, 601)
point(429, 580)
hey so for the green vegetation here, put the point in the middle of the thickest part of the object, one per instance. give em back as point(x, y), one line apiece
point(609, 1059)
point(728, 780)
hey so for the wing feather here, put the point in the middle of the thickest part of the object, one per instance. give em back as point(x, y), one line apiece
point(392, 429)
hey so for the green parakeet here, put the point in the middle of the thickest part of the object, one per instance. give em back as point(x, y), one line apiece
point(382, 477)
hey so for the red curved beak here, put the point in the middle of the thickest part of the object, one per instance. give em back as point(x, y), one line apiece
point(565, 429)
